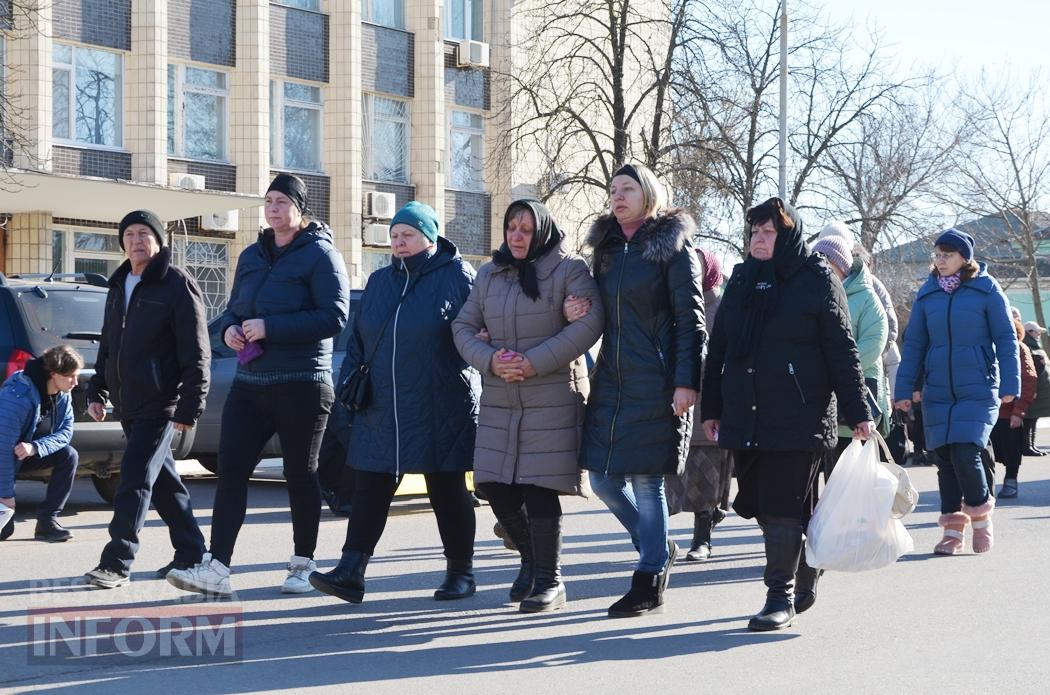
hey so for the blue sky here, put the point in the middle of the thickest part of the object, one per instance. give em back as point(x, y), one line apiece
point(957, 35)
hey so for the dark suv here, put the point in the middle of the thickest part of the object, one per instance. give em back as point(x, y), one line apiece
point(40, 311)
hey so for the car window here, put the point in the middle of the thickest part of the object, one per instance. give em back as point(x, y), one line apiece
point(68, 315)
point(221, 349)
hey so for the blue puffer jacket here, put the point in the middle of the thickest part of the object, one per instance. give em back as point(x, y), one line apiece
point(303, 296)
point(964, 347)
point(423, 416)
point(19, 418)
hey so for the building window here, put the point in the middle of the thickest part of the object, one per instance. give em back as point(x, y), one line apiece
point(87, 87)
point(208, 263)
point(371, 261)
point(92, 252)
point(295, 126)
point(197, 112)
point(385, 156)
point(314, 5)
point(466, 151)
point(464, 19)
point(387, 13)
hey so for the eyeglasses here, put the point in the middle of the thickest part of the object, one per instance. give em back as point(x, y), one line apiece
point(943, 256)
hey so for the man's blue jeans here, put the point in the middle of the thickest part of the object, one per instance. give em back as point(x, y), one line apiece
point(642, 509)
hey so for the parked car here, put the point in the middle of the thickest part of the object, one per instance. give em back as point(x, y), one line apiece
point(40, 311)
point(205, 446)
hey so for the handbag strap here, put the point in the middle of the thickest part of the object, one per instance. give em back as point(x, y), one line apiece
point(389, 318)
point(883, 446)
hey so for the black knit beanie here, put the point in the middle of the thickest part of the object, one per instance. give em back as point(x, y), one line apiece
point(145, 217)
point(294, 188)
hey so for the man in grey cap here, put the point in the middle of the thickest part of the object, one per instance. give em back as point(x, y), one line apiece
point(153, 365)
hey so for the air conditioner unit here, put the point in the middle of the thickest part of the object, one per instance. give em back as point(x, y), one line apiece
point(472, 54)
point(377, 235)
point(191, 182)
point(382, 206)
point(228, 221)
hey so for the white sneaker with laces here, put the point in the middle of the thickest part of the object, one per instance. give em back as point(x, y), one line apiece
point(209, 577)
point(298, 579)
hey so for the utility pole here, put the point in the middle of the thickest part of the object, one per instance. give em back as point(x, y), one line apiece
point(783, 98)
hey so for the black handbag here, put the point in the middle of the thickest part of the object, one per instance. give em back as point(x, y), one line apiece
point(355, 393)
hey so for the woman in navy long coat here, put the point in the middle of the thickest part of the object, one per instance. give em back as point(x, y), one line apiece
point(961, 343)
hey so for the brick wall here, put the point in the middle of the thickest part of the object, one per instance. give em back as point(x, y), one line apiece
point(388, 58)
point(96, 22)
point(299, 43)
point(468, 221)
point(469, 87)
point(203, 30)
point(217, 177)
point(85, 162)
point(318, 192)
point(403, 194)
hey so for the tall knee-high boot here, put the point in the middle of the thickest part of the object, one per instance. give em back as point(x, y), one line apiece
point(805, 583)
point(783, 542)
point(1029, 438)
point(548, 591)
point(516, 526)
point(700, 549)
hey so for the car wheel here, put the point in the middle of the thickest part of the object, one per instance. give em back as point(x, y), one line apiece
point(209, 462)
point(106, 487)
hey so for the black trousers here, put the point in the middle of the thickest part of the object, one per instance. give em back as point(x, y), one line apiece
point(148, 474)
point(507, 499)
point(63, 465)
point(776, 484)
point(1008, 444)
point(297, 413)
point(373, 493)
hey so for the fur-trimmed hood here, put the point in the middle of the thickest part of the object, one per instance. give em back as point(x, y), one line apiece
point(661, 236)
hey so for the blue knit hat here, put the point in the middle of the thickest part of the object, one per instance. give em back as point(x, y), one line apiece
point(418, 216)
point(960, 241)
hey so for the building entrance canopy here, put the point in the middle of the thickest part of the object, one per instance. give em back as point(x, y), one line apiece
point(106, 200)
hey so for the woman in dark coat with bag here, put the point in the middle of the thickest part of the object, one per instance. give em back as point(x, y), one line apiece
point(419, 413)
point(648, 372)
point(536, 385)
point(781, 351)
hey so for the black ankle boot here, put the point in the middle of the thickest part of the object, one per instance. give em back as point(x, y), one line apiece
point(459, 580)
point(805, 584)
point(548, 592)
point(516, 528)
point(645, 596)
point(701, 547)
point(783, 546)
point(346, 580)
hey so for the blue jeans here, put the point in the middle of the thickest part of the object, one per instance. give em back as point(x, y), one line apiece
point(960, 476)
point(642, 509)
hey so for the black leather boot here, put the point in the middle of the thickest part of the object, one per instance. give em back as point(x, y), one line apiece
point(346, 580)
point(459, 580)
point(1029, 438)
point(516, 528)
point(645, 596)
point(783, 547)
point(548, 592)
point(805, 584)
point(701, 548)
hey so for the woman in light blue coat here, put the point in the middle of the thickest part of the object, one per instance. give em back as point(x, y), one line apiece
point(961, 342)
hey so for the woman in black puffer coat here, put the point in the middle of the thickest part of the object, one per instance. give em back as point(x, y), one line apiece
point(781, 350)
point(423, 413)
point(637, 425)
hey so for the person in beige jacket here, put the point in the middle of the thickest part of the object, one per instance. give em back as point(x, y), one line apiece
point(512, 329)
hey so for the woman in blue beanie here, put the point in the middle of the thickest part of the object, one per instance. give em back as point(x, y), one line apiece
point(961, 345)
point(422, 412)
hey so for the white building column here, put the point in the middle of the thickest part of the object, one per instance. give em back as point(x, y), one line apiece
point(29, 243)
point(427, 144)
point(29, 84)
point(146, 92)
point(343, 132)
point(250, 114)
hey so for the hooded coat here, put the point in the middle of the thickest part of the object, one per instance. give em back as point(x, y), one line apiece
point(21, 402)
point(781, 396)
point(530, 432)
point(653, 342)
point(869, 324)
point(963, 348)
point(423, 415)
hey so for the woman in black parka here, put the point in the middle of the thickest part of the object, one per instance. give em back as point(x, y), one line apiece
point(645, 381)
point(423, 412)
point(781, 350)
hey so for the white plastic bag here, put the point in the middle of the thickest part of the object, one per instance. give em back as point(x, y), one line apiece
point(853, 528)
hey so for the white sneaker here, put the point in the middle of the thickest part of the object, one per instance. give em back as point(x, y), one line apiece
point(209, 577)
point(298, 579)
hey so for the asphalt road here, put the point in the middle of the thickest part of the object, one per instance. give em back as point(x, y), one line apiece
point(928, 624)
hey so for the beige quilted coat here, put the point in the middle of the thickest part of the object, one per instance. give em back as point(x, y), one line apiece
point(530, 432)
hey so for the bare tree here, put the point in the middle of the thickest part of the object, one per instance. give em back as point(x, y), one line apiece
point(1003, 173)
point(17, 19)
